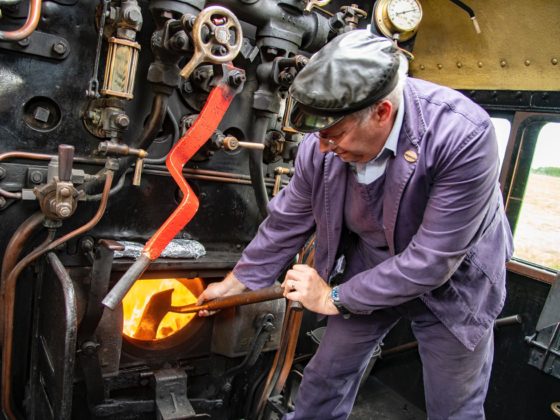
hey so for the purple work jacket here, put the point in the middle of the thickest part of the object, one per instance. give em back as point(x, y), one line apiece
point(443, 218)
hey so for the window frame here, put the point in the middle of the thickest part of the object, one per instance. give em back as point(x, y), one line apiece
point(515, 172)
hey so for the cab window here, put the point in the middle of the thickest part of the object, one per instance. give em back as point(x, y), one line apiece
point(533, 202)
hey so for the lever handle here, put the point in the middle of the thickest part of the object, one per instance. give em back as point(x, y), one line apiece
point(121, 288)
point(137, 178)
point(65, 158)
point(246, 298)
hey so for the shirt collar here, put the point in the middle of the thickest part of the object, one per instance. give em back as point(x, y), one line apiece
point(390, 146)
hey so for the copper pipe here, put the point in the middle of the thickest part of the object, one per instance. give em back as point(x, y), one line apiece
point(215, 173)
point(13, 250)
point(28, 27)
point(201, 174)
point(9, 194)
point(43, 156)
point(25, 155)
point(10, 292)
point(163, 168)
point(7, 344)
point(219, 179)
point(16, 244)
point(284, 356)
point(293, 333)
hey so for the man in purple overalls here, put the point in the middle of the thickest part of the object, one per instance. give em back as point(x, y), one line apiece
point(401, 177)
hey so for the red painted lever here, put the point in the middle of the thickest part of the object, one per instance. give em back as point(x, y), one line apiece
point(205, 125)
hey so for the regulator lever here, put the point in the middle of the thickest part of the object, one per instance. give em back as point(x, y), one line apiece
point(205, 125)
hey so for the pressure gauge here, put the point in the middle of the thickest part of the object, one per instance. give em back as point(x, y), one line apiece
point(398, 18)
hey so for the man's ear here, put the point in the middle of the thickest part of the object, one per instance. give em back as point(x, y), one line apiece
point(383, 112)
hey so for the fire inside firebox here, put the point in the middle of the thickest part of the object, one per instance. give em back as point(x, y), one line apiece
point(139, 303)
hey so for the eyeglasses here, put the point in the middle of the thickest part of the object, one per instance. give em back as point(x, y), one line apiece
point(333, 141)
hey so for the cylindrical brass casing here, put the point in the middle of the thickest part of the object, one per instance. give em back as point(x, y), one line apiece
point(122, 60)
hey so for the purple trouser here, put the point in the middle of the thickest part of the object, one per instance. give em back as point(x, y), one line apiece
point(455, 379)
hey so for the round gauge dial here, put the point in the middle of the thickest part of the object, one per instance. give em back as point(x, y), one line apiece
point(398, 18)
point(405, 15)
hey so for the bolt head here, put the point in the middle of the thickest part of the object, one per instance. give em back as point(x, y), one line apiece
point(133, 16)
point(42, 114)
point(2, 202)
point(122, 121)
point(236, 78)
point(87, 244)
point(59, 48)
point(65, 192)
point(36, 177)
point(63, 210)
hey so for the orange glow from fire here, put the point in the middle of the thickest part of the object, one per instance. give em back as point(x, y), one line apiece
point(141, 292)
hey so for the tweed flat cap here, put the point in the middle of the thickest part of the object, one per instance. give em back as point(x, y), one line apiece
point(351, 72)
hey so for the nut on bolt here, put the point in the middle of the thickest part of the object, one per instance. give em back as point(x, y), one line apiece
point(36, 177)
point(236, 78)
point(63, 210)
point(59, 48)
point(122, 121)
point(24, 42)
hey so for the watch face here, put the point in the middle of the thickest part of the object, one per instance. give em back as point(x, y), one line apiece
point(334, 295)
point(405, 15)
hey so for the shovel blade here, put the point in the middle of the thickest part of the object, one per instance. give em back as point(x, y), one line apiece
point(155, 310)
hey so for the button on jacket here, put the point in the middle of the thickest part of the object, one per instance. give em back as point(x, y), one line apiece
point(443, 218)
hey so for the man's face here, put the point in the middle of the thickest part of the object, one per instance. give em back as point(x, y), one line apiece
point(358, 140)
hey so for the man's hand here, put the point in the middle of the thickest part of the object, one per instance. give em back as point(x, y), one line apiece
point(227, 287)
point(305, 285)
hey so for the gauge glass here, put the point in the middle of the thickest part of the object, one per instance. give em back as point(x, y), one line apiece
point(405, 15)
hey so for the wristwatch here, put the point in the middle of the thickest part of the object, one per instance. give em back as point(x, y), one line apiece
point(335, 298)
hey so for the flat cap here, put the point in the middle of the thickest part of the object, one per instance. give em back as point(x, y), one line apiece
point(351, 72)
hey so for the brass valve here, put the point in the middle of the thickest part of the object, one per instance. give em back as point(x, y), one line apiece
point(58, 197)
point(231, 143)
point(112, 148)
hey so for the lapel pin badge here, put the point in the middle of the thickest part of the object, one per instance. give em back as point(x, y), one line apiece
point(410, 156)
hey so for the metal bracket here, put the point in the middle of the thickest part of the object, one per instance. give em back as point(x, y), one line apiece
point(171, 396)
point(40, 44)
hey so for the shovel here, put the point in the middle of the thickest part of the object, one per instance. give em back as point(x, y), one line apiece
point(160, 304)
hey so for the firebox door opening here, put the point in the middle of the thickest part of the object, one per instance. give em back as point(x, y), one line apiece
point(147, 307)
